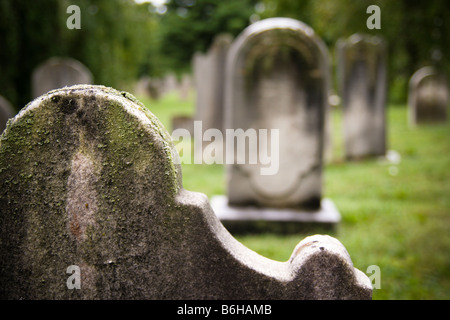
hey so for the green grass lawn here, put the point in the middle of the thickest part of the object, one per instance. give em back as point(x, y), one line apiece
point(395, 216)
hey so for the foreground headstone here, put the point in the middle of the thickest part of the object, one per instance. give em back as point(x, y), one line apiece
point(429, 97)
point(278, 79)
point(6, 112)
point(362, 80)
point(92, 207)
point(57, 73)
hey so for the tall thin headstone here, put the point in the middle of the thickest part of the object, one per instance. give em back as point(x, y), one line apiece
point(92, 207)
point(185, 87)
point(428, 98)
point(362, 81)
point(278, 78)
point(209, 72)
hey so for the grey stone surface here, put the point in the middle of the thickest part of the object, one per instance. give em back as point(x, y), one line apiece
point(428, 97)
point(186, 87)
point(57, 73)
point(6, 112)
point(209, 73)
point(362, 80)
point(278, 78)
point(252, 219)
point(88, 178)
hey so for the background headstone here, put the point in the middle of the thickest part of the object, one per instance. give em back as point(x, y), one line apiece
point(278, 78)
point(362, 81)
point(209, 73)
point(57, 73)
point(186, 86)
point(88, 180)
point(428, 97)
point(6, 112)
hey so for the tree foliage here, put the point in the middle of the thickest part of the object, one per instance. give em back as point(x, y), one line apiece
point(120, 40)
point(416, 31)
point(114, 42)
point(25, 40)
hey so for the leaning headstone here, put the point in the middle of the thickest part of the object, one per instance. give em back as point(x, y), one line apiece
point(6, 112)
point(148, 87)
point(362, 81)
point(278, 80)
point(57, 73)
point(209, 73)
point(428, 97)
point(92, 207)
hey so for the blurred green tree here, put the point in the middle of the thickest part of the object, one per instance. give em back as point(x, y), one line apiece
point(28, 32)
point(116, 41)
point(190, 25)
point(120, 40)
point(416, 31)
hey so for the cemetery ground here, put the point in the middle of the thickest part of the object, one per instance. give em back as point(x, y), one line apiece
point(395, 214)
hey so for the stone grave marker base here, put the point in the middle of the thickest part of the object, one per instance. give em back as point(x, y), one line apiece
point(286, 220)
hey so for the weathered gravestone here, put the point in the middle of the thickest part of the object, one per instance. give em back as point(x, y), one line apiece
point(149, 87)
point(362, 80)
point(6, 112)
point(186, 85)
point(169, 84)
point(278, 79)
point(428, 97)
point(183, 121)
point(88, 180)
point(209, 73)
point(57, 73)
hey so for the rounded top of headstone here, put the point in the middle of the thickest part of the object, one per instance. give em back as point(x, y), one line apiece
point(58, 72)
point(273, 24)
point(423, 73)
point(319, 242)
point(222, 39)
point(58, 62)
point(271, 32)
point(103, 124)
point(364, 38)
point(280, 23)
point(361, 45)
point(314, 252)
point(428, 89)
